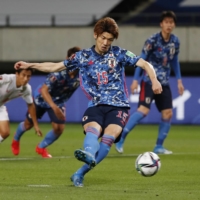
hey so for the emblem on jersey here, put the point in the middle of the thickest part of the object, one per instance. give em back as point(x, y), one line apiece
point(84, 118)
point(147, 46)
point(130, 54)
point(52, 79)
point(172, 50)
point(112, 62)
point(147, 100)
point(72, 56)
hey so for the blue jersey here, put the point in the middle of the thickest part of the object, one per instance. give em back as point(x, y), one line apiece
point(60, 87)
point(102, 77)
point(161, 55)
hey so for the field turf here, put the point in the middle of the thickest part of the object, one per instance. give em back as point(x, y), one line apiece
point(30, 177)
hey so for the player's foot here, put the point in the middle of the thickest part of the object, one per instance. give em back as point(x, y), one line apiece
point(119, 147)
point(77, 179)
point(85, 157)
point(15, 147)
point(161, 150)
point(43, 152)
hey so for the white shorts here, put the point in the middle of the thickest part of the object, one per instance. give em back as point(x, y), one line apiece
point(3, 114)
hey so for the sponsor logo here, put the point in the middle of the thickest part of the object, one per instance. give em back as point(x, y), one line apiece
point(130, 54)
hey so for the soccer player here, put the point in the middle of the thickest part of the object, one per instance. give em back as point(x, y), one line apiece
point(13, 86)
point(102, 78)
point(161, 50)
point(50, 97)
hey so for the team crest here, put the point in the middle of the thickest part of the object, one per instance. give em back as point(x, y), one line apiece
point(111, 62)
point(147, 100)
point(84, 118)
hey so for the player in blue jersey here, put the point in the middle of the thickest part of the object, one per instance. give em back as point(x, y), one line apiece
point(102, 78)
point(50, 97)
point(161, 50)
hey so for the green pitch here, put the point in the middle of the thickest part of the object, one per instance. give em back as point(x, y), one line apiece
point(30, 177)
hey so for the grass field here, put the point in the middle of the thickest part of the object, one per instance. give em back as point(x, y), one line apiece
point(29, 177)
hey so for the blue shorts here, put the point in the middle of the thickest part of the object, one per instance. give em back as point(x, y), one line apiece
point(41, 111)
point(163, 101)
point(105, 115)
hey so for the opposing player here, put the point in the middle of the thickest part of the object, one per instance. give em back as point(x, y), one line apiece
point(101, 69)
point(161, 50)
point(50, 97)
point(13, 86)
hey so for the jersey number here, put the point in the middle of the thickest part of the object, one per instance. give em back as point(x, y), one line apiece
point(102, 78)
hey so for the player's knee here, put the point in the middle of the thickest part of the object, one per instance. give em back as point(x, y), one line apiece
point(167, 115)
point(5, 134)
point(58, 130)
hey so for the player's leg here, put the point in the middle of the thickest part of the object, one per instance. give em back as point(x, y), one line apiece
point(92, 122)
point(114, 121)
point(145, 99)
point(4, 124)
point(57, 129)
point(23, 127)
point(164, 105)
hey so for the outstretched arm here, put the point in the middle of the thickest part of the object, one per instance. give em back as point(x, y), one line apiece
point(156, 86)
point(44, 67)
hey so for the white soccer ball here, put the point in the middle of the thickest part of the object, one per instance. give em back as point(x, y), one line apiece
point(147, 164)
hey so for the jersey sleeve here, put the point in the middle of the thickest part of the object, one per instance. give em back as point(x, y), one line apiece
point(3, 78)
point(51, 80)
point(147, 48)
point(176, 67)
point(128, 58)
point(27, 94)
point(74, 62)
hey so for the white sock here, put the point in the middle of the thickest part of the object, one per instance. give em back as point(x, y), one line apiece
point(1, 139)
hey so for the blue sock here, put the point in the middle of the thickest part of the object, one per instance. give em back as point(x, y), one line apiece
point(20, 131)
point(91, 143)
point(132, 122)
point(49, 139)
point(164, 128)
point(105, 145)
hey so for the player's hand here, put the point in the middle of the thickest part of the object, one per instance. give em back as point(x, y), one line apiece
point(180, 87)
point(156, 87)
point(134, 86)
point(38, 131)
point(21, 65)
point(58, 112)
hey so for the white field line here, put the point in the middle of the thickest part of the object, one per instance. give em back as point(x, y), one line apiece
point(69, 157)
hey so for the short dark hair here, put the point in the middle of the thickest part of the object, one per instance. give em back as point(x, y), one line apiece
point(168, 13)
point(106, 24)
point(72, 51)
point(21, 69)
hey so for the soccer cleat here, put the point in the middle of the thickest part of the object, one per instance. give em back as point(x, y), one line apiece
point(119, 147)
point(15, 147)
point(77, 179)
point(161, 150)
point(85, 157)
point(43, 152)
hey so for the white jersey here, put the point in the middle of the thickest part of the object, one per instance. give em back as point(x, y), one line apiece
point(9, 90)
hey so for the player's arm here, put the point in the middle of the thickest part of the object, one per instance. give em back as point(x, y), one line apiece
point(176, 67)
point(137, 75)
point(47, 97)
point(44, 67)
point(32, 111)
point(156, 86)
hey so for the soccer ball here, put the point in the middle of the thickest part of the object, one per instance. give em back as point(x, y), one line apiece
point(147, 164)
